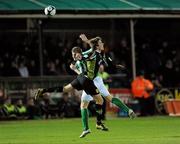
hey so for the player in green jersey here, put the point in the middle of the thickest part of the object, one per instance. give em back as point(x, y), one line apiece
point(82, 82)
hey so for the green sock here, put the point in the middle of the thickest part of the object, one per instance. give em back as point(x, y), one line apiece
point(84, 117)
point(120, 104)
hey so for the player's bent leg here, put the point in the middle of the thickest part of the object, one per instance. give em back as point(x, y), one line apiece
point(121, 105)
point(68, 88)
point(98, 99)
point(108, 98)
point(41, 91)
point(84, 117)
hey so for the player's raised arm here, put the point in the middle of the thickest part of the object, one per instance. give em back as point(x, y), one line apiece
point(89, 41)
point(93, 44)
point(84, 38)
point(88, 52)
point(106, 61)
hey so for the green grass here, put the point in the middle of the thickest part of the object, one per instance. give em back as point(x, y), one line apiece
point(150, 130)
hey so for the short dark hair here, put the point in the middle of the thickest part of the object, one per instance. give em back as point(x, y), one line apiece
point(76, 50)
point(94, 41)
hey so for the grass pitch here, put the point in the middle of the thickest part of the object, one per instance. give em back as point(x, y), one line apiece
point(148, 130)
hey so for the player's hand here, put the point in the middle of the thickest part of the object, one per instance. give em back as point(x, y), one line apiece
point(83, 37)
point(72, 66)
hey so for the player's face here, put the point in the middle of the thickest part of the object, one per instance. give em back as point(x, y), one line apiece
point(76, 56)
point(100, 45)
point(101, 68)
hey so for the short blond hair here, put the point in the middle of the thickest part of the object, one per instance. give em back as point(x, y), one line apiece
point(76, 50)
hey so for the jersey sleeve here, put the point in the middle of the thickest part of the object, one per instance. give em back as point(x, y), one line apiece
point(104, 60)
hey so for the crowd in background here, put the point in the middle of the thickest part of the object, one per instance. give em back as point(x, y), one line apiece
point(49, 106)
point(159, 60)
point(66, 105)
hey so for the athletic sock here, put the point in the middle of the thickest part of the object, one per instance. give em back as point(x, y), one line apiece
point(98, 114)
point(84, 117)
point(120, 104)
point(53, 89)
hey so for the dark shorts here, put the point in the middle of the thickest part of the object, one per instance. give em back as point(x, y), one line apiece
point(83, 83)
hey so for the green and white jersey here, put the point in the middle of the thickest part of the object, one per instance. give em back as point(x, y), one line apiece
point(81, 66)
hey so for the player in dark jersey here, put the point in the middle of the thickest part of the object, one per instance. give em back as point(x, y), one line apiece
point(95, 59)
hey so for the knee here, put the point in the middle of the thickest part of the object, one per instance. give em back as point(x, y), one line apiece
point(65, 89)
point(100, 101)
point(109, 98)
point(83, 105)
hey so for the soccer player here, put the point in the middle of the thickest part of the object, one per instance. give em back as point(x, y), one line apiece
point(82, 82)
point(93, 64)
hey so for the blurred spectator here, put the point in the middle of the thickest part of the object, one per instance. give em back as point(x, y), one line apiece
point(156, 80)
point(65, 106)
point(20, 109)
point(49, 106)
point(168, 74)
point(44, 103)
point(1, 68)
point(33, 111)
point(13, 70)
point(141, 90)
point(75, 100)
point(2, 98)
point(148, 59)
point(33, 69)
point(51, 69)
point(9, 110)
point(23, 70)
point(58, 66)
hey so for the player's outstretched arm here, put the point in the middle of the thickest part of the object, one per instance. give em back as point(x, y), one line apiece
point(88, 53)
